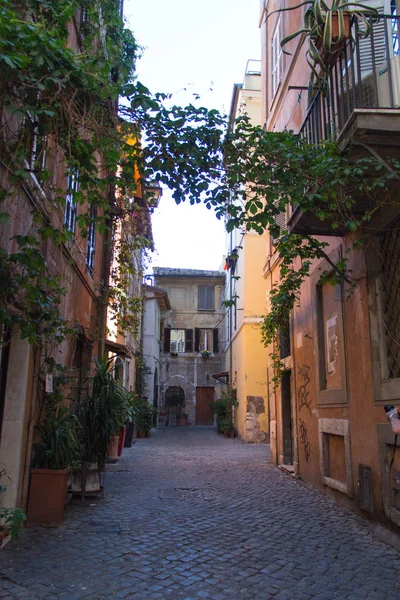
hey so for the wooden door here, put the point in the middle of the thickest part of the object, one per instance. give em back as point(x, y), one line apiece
point(204, 414)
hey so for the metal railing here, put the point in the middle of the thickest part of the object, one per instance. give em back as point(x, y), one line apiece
point(366, 74)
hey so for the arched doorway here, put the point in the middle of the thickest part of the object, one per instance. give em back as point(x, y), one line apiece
point(174, 404)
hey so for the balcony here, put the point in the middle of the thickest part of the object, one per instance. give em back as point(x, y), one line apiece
point(361, 110)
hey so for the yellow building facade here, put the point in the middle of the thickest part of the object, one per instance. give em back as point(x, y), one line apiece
point(246, 357)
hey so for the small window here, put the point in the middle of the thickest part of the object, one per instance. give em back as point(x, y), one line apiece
point(276, 59)
point(70, 204)
point(206, 339)
point(177, 343)
point(91, 240)
point(37, 145)
point(206, 298)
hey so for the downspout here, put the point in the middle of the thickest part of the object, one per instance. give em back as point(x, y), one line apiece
point(105, 279)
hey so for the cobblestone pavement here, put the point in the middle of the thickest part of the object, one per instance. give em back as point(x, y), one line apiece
point(190, 515)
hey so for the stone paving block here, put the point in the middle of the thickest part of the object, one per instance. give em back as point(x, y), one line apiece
point(247, 532)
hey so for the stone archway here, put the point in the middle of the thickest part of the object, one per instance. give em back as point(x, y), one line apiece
point(174, 404)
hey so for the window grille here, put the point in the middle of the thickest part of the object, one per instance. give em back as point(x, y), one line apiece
point(91, 240)
point(276, 59)
point(389, 243)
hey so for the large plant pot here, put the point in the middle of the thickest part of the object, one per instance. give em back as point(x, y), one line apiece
point(181, 421)
point(4, 536)
point(142, 434)
point(86, 480)
point(112, 450)
point(47, 494)
point(121, 441)
point(130, 435)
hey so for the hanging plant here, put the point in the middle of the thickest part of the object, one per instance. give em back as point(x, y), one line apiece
point(327, 28)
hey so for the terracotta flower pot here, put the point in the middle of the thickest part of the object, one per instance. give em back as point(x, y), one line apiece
point(47, 494)
point(229, 434)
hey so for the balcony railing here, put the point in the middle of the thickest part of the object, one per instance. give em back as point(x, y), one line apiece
point(365, 75)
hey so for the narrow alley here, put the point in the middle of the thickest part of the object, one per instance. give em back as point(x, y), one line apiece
point(187, 515)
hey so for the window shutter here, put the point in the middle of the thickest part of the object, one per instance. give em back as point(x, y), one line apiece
point(210, 297)
point(188, 340)
point(196, 340)
point(202, 297)
point(167, 339)
point(215, 340)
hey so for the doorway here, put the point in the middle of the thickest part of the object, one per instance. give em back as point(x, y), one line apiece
point(174, 404)
point(287, 428)
point(204, 414)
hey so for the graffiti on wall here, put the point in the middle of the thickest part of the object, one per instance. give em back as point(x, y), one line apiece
point(304, 439)
point(302, 391)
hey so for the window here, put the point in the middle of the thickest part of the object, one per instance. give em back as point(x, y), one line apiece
point(178, 340)
point(70, 204)
point(91, 240)
point(177, 343)
point(206, 339)
point(37, 144)
point(276, 58)
point(384, 299)
point(329, 327)
point(206, 297)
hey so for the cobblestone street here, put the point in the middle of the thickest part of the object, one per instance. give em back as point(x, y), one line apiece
point(190, 515)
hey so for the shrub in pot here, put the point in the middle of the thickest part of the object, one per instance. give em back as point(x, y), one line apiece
point(143, 414)
point(56, 451)
point(222, 407)
point(227, 427)
point(102, 414)
point(11, 519)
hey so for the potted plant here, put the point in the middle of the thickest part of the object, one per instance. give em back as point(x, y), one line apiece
point(101, 414)
point(56, 451)
point(227, 427)
point(10, 518)
point(181, 420)
point(174, 354)
point(143, 414)
point(131, 430)
point(222, 407)
point(205, 353)
point(327, 26)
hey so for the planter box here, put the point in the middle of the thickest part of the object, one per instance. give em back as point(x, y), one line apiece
point(87, 481)
point(130, 435)
point(47, 494)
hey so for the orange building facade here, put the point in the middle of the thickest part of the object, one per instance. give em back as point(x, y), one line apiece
point(340, 349)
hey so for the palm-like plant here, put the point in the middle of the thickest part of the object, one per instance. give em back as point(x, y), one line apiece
point(102, 414)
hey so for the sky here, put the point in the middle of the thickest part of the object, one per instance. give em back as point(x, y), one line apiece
point(192, 48)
